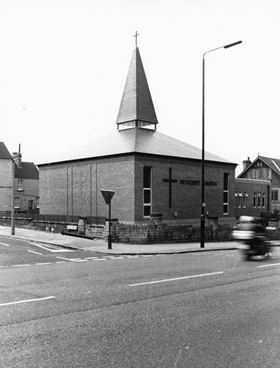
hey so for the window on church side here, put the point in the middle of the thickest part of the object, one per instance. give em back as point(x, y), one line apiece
point(127, 125)
point(147, 191)
point(226, 194)
point(144, 124)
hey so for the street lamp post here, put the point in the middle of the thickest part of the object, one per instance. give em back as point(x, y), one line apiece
point(13, 200)
point(203, 204)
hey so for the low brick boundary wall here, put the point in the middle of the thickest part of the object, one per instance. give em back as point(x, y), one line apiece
point(159, 233)
point(149, 233)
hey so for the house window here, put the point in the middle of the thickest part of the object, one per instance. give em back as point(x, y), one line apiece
point(236, 200)
point(226, 194)
point(147, 191)
point(274, 195)
point(20, 185)
point(259, 199)
point(255, 199)
point(263, 200)
point(37, 203)
point(30, 204)
point(245, 196)
point(17, 202)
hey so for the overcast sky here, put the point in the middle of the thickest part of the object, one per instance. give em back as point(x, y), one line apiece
point(63, 65)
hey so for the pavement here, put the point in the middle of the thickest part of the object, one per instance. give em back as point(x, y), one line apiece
point(101, 246)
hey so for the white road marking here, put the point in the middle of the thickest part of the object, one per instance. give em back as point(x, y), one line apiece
point(42, 263)
point(52, 250)
point(177, 278)
point(90, 258)
point(27, 301)
point(21, 265)
point(5, 244)
point(268, 265)
point(114, 257)
point(73, 259)
point(78, 260)
point(33, 251)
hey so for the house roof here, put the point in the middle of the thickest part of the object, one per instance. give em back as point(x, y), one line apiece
point(137, 140)
point(273, 163)
point(28, 170)
point(4, 153)
point(136, 102)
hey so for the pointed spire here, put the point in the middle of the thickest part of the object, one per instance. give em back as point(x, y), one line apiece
point(136, 108)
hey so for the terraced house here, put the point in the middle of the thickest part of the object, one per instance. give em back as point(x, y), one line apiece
point(26, 182)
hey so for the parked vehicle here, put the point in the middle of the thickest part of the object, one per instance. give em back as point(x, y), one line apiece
point(251, 233)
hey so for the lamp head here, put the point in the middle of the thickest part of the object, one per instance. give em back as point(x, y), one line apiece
point(232, 44)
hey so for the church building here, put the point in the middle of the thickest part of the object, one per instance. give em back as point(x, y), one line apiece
point(151, 173)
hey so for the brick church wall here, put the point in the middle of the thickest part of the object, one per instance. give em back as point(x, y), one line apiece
point(74, 188)
point(186, 198)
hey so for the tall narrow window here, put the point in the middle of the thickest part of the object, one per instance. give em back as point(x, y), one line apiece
point(147, 191)
point(259, 199)
point(226, 194)
point(20, 185)
point(245, 196)
point(274, 195)
point(17, 202)
point(263, 200)
point(255, 199)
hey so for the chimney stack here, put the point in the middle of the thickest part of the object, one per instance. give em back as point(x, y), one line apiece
point(17, 157)
point(246, 163)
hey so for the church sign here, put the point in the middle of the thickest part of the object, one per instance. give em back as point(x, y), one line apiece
point(189, 181)
point(170, 180)
point(197, 182)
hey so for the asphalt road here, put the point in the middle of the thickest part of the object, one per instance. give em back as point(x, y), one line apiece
point(84, 310)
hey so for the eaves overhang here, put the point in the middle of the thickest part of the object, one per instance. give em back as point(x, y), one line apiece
point(135, 153)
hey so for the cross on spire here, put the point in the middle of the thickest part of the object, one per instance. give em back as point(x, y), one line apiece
point(136, 35)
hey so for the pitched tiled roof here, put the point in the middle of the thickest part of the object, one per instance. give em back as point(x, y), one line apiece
point(273, 163)
point(28, 171)
point(137, 141)
point(136, 102)
point(4, 153)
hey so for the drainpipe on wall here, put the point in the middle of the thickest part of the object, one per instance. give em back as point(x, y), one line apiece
point(268, 199)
